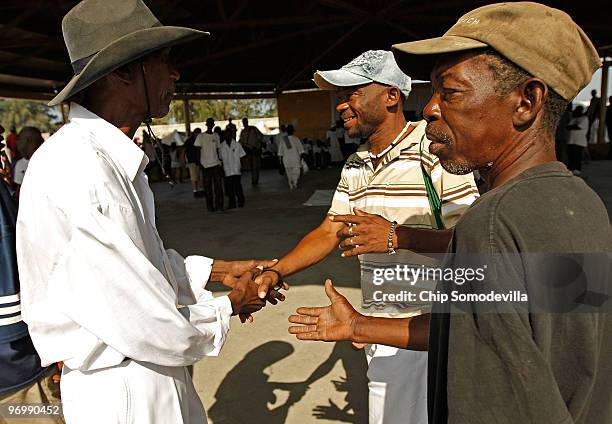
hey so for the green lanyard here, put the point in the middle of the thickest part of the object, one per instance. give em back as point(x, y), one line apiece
point(432, 195)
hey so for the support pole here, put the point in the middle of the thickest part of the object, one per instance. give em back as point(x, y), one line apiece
point(601, 131)
point(187, 117)
point(64, 114)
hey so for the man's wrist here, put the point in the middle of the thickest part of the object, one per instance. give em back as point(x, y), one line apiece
point(233, 297)
point(359, 329)
point(395, 241)
point(219, 270)
point(401, 239)
point(277, 267)
point(274, 273)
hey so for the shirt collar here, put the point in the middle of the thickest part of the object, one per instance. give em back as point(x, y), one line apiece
point(111, 140)
point(408, 142)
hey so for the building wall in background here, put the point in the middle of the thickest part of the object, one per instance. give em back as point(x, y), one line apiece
point(310, 112)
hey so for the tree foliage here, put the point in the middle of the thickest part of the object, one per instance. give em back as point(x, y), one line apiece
point(21, 113)
point(220, 110)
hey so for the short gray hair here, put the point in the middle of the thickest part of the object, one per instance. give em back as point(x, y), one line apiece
point(508, 76)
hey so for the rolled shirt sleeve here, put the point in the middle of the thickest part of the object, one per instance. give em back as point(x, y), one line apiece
point(340, 202)
point(192, 274)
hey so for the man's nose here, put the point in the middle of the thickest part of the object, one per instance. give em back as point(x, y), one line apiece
point(342, 106)
point(431, 111)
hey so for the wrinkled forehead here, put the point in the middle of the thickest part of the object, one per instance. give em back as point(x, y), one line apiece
point(460, 66)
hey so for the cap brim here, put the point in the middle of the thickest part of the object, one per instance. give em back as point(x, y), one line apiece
point(417, 58)
point(123, 51)
point(332, 80)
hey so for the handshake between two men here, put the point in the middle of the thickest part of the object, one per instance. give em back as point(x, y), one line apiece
point(247, 296)
point(255, 282)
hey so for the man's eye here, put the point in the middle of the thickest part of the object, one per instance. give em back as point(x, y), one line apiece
point(447, 94)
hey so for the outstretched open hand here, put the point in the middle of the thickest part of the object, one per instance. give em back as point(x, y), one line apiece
point(330, 323)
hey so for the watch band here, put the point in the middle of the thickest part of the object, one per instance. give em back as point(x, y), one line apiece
point(390, 249)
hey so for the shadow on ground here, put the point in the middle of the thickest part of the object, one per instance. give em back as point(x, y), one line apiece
point(246, 395)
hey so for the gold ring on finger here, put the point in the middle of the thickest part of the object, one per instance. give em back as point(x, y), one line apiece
point(350, 230)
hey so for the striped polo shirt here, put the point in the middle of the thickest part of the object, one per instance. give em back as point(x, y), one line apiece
point(396, 191)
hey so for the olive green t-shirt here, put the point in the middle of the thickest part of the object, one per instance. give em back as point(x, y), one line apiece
point(525, 367)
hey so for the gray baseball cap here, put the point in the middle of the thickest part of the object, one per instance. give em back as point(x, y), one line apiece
point(371, 66)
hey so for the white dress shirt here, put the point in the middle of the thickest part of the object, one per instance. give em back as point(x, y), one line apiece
point(97, 284)
point(291, 156)
point(230, 156)
point(579, 136)
point(209, 145)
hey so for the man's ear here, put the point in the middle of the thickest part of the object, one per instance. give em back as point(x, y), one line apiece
point(531, 96)
point(393, 96)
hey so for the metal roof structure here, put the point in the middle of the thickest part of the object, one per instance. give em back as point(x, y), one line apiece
point(265, 46)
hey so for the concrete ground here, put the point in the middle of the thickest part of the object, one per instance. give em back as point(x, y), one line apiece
point(263, 374)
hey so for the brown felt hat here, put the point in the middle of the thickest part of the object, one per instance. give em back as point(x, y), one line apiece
point(544, 41)
point(103, 35)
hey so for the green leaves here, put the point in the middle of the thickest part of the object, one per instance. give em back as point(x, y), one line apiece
point(21, 113)
point(220, 110)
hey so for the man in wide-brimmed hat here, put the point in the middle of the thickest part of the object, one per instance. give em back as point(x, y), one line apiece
point(100, 292)
point(502, 77)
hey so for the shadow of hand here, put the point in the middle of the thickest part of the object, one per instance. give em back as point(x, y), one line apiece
point(332, 412)
point(297, 392)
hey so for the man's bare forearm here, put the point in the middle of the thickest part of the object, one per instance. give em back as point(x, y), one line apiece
point(313, 248)
point(406, 333)
point(423, 240)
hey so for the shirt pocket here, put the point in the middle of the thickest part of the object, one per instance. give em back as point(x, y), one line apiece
point(125, 217)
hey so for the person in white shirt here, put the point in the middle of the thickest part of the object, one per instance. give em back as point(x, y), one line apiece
point(231, 152)
point(280, 137)
point(209, 143)
point(99, 290)
point(290, 152)
point(28, 141)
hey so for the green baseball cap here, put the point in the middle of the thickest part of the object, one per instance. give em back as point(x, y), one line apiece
point(544, 41)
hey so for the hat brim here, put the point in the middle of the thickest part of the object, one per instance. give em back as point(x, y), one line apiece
point(125, 50)
point(338, 78)
point(417, 58)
